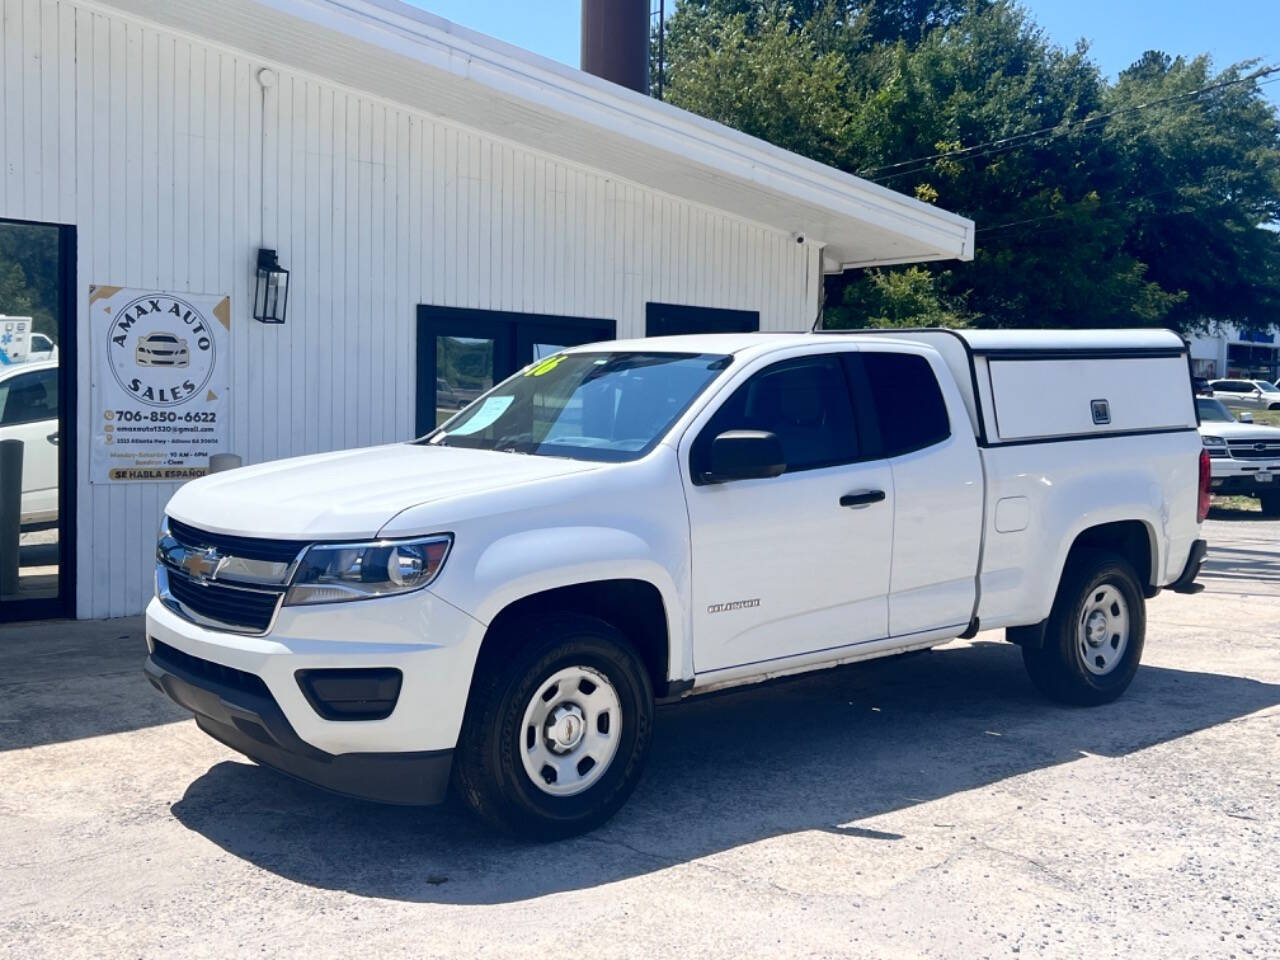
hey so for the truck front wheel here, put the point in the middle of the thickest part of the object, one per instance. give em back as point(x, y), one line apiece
point(1270, 504)
point(557, 729)
point(1093, 640)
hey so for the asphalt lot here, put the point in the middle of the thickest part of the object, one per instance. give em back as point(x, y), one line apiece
point(928, 806)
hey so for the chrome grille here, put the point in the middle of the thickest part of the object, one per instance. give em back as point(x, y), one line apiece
point(221, 605)
point(1254, 449)
point(222, 581)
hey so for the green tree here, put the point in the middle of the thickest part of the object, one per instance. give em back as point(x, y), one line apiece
point(1093, 207)
point(29, 274)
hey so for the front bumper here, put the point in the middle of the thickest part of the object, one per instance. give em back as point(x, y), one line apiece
point(244, 716)
point(402, 757)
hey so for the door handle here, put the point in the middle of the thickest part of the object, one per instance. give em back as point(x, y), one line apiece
point(53, 438)
point(862, 498)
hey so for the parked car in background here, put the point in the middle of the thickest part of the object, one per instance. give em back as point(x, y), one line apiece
point(1244, 458)
point(1247, 394)
point(29, 412)
point(499, 604)
point(1200, 387)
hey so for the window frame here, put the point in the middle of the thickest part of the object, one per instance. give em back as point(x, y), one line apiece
point(861, 382)
point(699, 444)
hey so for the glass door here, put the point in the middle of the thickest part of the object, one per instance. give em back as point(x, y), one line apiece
point(462, 353)
point(36, 411)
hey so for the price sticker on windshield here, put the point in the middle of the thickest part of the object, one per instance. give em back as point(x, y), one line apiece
point(489, 411)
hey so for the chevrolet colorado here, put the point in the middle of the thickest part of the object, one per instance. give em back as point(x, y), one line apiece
point(499, 604)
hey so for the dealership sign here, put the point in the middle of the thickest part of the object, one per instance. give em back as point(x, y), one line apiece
point(161, 376)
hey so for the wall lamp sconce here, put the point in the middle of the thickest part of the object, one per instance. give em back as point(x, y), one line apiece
point(271, 296)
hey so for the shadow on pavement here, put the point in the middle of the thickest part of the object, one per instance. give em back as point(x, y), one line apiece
point(1225, 562)
point(819, 752)
point(64, 680)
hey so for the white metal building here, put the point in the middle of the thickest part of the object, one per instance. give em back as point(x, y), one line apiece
point(427, 188)
point(1227, 350)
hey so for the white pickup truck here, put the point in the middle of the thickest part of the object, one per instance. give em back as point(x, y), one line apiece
point(501, 603)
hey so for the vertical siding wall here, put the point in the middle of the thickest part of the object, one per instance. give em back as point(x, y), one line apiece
point(175, 165)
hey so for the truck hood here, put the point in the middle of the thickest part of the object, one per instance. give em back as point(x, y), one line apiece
point(351, 493)
point(1239, 431)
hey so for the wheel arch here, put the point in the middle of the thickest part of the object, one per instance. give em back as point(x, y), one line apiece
point(1132, 539)
point(634, 606)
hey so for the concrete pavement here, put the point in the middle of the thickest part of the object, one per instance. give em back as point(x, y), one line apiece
point(927, 806)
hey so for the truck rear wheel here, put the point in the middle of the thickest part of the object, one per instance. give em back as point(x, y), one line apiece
point(1093, 640)
point(557, 729)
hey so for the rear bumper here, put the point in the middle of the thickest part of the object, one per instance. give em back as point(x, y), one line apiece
point(1186, 583)
point(243, 715)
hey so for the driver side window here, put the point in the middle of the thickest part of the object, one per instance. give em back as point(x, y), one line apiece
point(804, 401)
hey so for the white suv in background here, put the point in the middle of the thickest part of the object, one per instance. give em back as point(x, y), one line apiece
point(1246, 394)
point(1244, 458)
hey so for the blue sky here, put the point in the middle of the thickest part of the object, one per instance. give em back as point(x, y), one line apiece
point(1118, 30)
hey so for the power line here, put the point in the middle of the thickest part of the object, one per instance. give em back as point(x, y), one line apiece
point(1004, 146)
point(1015, 140)
point(994, 149)
point(1120, 202)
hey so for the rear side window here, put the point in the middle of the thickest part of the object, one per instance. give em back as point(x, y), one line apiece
point(909, 407)
point(804, 401)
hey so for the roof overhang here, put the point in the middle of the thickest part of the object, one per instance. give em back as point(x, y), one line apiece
point(405, 55)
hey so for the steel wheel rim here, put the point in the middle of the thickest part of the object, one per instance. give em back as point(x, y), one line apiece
point(571, 730)
point(1102, 633)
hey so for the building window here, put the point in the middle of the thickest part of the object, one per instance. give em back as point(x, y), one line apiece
point(463, 353)
point(672, 319)
point(1254, 363)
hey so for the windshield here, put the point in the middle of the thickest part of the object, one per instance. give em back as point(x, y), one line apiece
point(1268, 387)
point(1212, 411)
point(586, 406)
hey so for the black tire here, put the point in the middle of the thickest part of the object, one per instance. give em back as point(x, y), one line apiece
point(1274, 406)
point(1270, 504)
point(1058, 667)
point(489, 772)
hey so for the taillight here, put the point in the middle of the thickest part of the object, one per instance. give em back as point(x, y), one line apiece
point(1202, 508)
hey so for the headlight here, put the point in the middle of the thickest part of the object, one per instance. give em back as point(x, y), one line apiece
point(1216, 446)
point(330, 572)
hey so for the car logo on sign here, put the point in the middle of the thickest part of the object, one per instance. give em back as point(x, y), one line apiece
point(203, 565)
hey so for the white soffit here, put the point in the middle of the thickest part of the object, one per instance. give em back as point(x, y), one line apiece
point(406, 55)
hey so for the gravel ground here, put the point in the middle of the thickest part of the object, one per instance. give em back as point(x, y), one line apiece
point(928, 806)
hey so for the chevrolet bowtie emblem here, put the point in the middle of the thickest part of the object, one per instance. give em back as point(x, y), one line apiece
point(203, 565)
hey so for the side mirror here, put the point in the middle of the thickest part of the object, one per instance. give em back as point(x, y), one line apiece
point(1246, 416)
point(744, 455)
